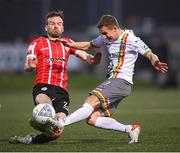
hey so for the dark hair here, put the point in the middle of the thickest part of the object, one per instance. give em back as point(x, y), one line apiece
point(108, 21)
point(54, 13)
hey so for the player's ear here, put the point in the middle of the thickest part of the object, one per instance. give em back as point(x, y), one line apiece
point(46, 28)
point(62, 29)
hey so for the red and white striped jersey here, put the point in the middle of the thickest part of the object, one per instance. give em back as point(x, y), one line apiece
point(52, 57)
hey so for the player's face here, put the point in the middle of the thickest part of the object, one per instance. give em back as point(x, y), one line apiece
point(108, 33)
point(55, 27)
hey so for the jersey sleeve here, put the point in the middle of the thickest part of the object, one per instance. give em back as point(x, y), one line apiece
point(33, 48)
point(139, 46)
point(98, 41)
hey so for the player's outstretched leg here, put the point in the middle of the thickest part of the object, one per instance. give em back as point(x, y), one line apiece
point(49, 132)
point(111, 124)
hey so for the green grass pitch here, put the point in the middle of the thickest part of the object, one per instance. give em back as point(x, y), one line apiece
point(156, 110)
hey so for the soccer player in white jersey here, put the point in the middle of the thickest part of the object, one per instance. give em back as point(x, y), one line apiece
point(123, 48)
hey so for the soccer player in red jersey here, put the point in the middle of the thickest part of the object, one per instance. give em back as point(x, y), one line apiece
point(49, 57)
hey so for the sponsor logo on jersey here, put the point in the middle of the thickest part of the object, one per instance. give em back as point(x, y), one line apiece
point(114, 55)
point(144, 46)
point(141, 44)
point(58, 59)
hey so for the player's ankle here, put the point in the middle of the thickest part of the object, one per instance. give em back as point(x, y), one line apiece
point(61, 122)
point(128, 128)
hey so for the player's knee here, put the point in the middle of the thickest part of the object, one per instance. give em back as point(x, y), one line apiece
point(93, 101)
point(91, 121)
point(60, 115)
point(42, 98)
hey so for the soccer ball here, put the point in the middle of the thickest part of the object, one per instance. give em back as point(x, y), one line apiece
point(42, 112)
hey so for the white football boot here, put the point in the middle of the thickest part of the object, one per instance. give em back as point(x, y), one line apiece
point(134, 133)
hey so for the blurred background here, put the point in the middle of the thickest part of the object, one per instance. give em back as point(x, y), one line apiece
point(157, 22)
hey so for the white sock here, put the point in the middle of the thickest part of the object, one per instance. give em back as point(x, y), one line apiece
point(80, 114)
point(112, 124)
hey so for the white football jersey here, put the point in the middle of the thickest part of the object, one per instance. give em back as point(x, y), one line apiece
point(122, 54)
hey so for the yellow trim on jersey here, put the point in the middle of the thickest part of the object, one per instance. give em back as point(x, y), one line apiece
point(147, 52)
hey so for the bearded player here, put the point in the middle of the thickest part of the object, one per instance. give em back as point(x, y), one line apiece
point(49, 57)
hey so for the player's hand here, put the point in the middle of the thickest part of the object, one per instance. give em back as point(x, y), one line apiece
point(162, 67)
point(94, 59)
point(97, 58)
point(66, 42)
point(31, 61)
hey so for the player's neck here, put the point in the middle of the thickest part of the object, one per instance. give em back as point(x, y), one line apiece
point(52, 38)
point(121, 32)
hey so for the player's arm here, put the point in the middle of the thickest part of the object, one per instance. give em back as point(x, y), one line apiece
point(31, 63)
point(143, 49)
point(31, 58)
point(88, 57)
point(81, 45)
point(85, 45)
point(160, 66)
